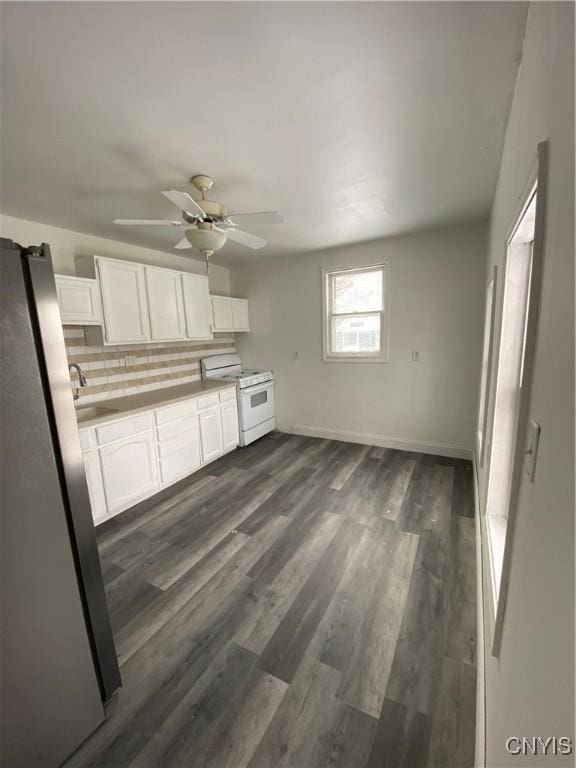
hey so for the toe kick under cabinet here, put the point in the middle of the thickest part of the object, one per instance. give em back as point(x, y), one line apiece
point(130, 458)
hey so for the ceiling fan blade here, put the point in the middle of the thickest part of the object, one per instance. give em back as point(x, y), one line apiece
point(184, 202)
point(260, 217)
point(148, 223)
point(182, 244)
point(251, 241)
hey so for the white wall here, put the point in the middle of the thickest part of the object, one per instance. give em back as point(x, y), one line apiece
point(436, 285)
point(530, 688)
point(66, 245)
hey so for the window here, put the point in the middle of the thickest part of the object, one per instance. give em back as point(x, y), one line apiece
point(355, 314)
point(485, 370)
point(509, 385)
point(511, 439)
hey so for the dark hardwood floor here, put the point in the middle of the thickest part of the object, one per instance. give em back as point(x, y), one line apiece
point(301, 603)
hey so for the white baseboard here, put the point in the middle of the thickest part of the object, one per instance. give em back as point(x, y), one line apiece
point(438, 449)
point(480, 751)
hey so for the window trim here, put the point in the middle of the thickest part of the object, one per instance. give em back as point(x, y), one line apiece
point(382, 356)
point(497, 584)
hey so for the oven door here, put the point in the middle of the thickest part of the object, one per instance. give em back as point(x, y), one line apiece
point(256, 405)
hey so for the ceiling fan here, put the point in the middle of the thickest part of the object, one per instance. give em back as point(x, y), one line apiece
point(206, 223)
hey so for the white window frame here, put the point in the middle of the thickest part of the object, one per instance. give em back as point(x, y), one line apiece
point(497, 574)
point(381, 356)
point(486, 371)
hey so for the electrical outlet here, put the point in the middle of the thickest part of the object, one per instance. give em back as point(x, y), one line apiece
point(415, 355)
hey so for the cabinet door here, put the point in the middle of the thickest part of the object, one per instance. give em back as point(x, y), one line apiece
point(222, 313)
point(210, 433)
point(78, 300)
point(129, 470)
point(240, 315)
point(95, 487)
point(124, 301)
point(180, 456)
point(197, 306)
point(165, 304)
point(229, 415)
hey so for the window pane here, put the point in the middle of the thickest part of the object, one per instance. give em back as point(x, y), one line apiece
point(357, 292)
point(356, 334)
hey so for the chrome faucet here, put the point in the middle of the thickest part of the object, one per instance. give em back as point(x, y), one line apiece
point(81, 378)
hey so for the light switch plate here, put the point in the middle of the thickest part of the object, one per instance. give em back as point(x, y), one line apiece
point(532, 449)
point(415, 355)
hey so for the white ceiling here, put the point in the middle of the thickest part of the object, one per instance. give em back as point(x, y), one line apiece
point(355, 120)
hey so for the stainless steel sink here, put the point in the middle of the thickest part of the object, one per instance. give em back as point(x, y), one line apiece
point(89, 412)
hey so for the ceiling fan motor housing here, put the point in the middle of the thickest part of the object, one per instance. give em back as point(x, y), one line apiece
point(212, 210)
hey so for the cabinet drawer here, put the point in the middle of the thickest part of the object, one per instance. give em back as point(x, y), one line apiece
point(180, 463)
point(86, 439)
point(107, 433)
point(227, 395)
point(178, 443)
point(174, 428)
point(177, 411)
point(208, 401)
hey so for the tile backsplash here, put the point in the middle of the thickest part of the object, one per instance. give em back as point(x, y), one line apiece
point(126, 369)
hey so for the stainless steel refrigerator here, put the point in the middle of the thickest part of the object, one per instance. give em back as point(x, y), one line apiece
point(58, 660)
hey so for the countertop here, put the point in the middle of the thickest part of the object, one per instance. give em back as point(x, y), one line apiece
point(114, 408)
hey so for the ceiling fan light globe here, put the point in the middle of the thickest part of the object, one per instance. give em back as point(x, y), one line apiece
point(206, 240)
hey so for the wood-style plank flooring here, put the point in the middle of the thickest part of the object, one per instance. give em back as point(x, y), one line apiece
point(300, 602)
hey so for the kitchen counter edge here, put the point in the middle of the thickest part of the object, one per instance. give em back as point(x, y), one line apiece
point(140, 402)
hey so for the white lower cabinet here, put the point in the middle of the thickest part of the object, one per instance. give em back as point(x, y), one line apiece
point(181, 463)
point(229, 417)
point(129, 470)
point(95, 487)
point(211, 433)
point(178, 448)
point(129, 459)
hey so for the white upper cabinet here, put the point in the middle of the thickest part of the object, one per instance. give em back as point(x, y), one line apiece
point(240, 321)
point(124, 301)
point(141, 303)
point(197, 307)
point(230, 314)
point(222, 313)
point(78, 300)
point(165, 304)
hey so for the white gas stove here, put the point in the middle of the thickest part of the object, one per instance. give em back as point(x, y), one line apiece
point(254, 394)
